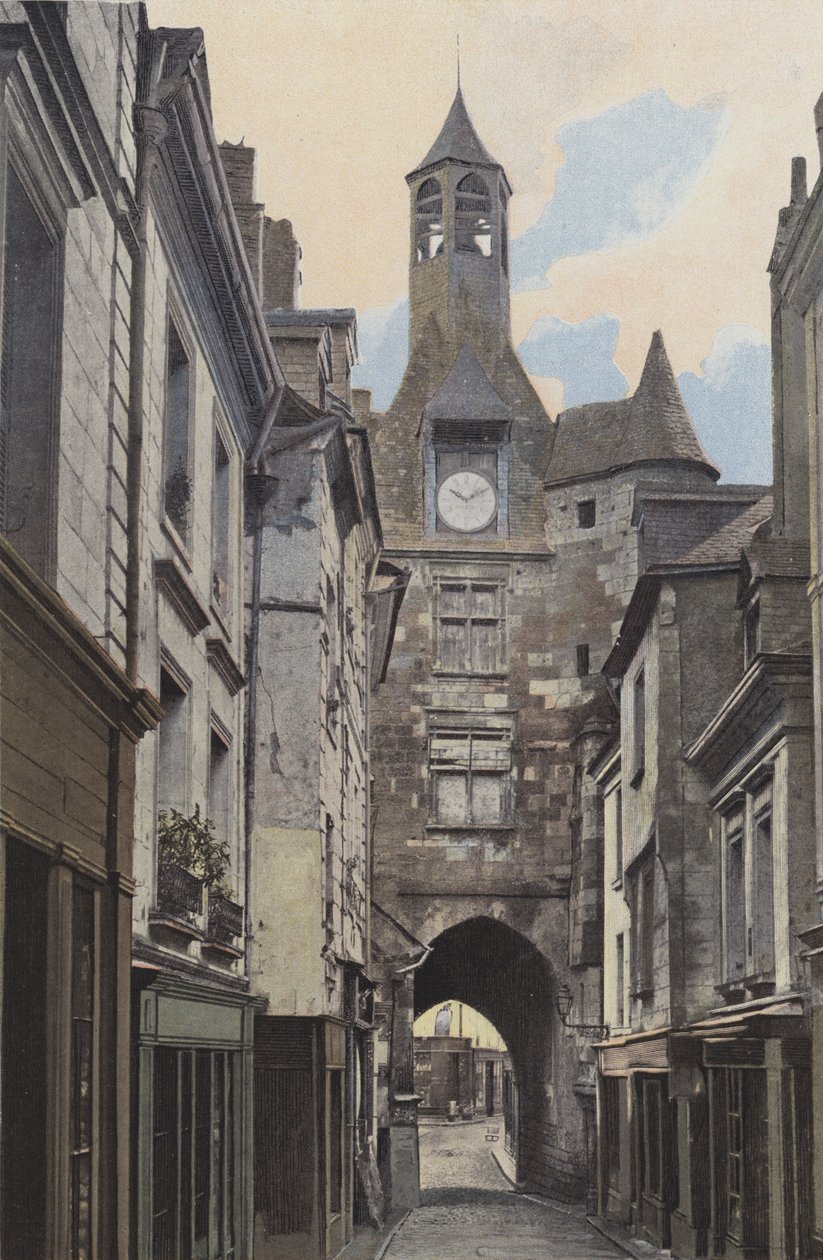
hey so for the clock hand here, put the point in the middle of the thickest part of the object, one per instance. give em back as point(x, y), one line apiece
point(459, 495)
point(482, 490)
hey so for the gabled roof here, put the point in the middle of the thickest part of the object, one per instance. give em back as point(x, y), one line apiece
point(653, 426)
point(466, 393)
point(660, 427)
point(458, 141)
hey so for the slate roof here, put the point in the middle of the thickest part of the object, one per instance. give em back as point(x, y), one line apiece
point(458, 141)
point(466, 393)
point(653, 426)
point(587, 439)
point(697, 531)
point(770, 556)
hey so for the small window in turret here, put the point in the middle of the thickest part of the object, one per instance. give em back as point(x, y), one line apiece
point(429, 220)
point(472, 216)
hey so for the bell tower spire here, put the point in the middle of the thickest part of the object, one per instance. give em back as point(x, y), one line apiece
point(459, 266)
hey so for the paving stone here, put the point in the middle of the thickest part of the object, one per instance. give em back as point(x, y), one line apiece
point(468, 1209)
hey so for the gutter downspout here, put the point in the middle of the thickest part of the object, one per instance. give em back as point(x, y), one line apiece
point(258, 483)
point(151, 129)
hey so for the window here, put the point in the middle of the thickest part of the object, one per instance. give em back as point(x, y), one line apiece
point(470, 774)
point(220, 523)
point(27, 1012)
point(429, 220)
point(751, 630)
point(639, 726)
point(178, 485)
point(193, 1152)
point(734, 1149)
point(504, 230)
point(30, 340)
point(653, 1113)
point(582, 660)
point(761, 930)
point(747, 916)
point(620, 981)
point(81, 1207)
point(470, 627)
point(586, 514)
point(335, 1131)
point(642, 925)
point(219, 784)
point(611, 1125)
point(734, 898)
point(618, 835)
point(472, 216)
point(173, 742)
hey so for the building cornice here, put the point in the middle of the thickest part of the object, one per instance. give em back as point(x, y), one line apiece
point(45, 623)
point(770, 671)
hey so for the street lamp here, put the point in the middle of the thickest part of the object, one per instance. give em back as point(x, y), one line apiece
point(563, 1000)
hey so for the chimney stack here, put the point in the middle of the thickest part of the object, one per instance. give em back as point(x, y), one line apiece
point(280, 266)
point(799, 193)
point(239, 165)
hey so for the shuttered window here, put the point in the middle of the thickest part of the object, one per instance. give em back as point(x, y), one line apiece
point(470, 776)
point(470, 627)
point(642, 924)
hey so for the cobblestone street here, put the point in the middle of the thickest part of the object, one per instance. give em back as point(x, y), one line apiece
point(468, 1209)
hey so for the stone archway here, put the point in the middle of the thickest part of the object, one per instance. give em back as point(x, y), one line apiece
point(493, 968)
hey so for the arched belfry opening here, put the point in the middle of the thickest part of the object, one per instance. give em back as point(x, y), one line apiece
point(472, 216)
point(429, 229)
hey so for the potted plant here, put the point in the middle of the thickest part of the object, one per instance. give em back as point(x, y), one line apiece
point(191, 858)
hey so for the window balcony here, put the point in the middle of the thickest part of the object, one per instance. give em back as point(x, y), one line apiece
point(225, 919)
point(179, 899)
point(225, 928)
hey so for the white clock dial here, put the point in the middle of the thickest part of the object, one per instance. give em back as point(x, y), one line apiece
point(466, 501)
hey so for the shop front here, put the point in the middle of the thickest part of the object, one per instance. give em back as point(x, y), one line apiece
point(758, 1068)
point(194, 1119)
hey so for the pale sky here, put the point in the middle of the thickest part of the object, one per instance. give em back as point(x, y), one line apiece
point(473, 1024)
point(648, 143)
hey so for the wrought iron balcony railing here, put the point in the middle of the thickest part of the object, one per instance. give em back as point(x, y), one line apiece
point(225, 919)
point(179, 893)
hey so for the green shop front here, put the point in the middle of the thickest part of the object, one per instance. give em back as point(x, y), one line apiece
point(194, 1119)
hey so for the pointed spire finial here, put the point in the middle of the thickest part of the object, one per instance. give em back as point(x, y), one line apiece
point(458, 61)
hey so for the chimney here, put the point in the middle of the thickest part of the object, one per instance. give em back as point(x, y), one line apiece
point(361, 405)
point(239, 165)
point(281, 266)
point(799, 193)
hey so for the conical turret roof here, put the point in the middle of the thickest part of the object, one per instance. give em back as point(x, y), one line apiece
point(659, 426)
point(466, 393)
point(458, 141)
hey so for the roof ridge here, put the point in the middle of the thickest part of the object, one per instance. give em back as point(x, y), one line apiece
point(457, 141)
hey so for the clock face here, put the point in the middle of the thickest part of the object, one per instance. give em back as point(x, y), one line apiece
point(466, 501)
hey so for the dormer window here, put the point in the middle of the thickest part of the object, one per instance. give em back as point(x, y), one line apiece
point(429, 220)
point(472, 216)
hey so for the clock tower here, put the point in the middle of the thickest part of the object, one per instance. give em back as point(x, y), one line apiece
point(466, 420)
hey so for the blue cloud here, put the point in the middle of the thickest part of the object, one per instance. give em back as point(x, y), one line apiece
point(626, 172)
point(383, 340)
point(580, 355)
point(730, 404)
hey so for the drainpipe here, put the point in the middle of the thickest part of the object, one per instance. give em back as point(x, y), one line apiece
point(150, 128)
point(258, 485)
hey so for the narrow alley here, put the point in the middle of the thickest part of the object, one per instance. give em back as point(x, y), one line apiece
point(468, 1208)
